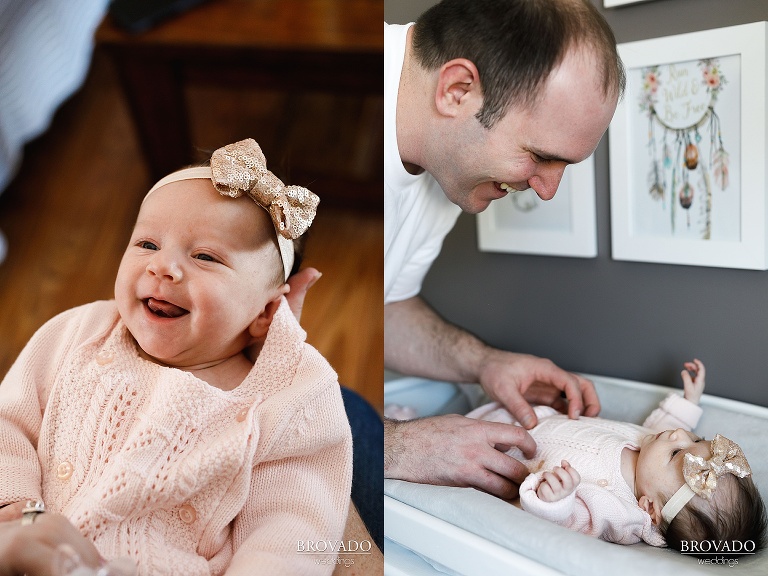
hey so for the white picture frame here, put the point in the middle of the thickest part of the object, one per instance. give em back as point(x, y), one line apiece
point(522, 223)
point(727, 173)
point(614, 3)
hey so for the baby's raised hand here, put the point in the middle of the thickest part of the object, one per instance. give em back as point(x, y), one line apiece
point(559, 483)
point(693, 388)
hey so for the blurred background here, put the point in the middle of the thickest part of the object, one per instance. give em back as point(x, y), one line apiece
point(97, 103)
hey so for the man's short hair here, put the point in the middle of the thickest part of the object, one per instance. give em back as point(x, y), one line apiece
point(515, 44)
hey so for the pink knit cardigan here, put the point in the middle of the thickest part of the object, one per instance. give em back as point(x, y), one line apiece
point(152, 463)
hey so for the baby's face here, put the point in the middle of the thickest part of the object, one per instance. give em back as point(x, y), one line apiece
point(197, 272)
point(660, 462)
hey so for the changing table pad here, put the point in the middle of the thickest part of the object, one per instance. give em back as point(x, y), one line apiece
point(465, 531)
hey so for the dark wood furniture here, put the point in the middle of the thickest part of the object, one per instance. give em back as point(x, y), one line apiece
point(293, 45)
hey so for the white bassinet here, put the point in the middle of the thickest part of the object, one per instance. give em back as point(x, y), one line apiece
point(434, 530)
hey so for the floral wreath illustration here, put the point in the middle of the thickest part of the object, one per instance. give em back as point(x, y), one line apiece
point(671, 173)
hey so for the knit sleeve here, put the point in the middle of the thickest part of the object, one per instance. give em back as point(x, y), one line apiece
point(23, 394)
point(591, 510)
point(300, 495)
point(674, 412)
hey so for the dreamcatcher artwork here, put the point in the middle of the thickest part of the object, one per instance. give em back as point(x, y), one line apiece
point(691, 110)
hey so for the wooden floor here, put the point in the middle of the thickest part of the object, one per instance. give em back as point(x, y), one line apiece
point(69, 212)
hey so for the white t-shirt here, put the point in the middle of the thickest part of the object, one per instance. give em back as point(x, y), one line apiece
point(417, 214)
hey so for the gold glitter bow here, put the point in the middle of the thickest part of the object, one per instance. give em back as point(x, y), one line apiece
point(241, 168)
point(727, 458)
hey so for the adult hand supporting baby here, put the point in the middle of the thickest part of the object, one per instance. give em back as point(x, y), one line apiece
point(30, 549)
point(456, 451)
point(300, 283)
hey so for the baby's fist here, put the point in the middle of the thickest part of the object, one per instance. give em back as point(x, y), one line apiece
point(558, 483)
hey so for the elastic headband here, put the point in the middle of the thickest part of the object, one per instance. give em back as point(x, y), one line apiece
point(677, 502)
point(241, 168)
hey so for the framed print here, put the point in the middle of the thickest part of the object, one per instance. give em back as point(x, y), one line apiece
point(564, 226)
point(688, 150)
point(614, 3)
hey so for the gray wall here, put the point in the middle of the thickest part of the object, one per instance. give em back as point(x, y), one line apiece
point(629, 320)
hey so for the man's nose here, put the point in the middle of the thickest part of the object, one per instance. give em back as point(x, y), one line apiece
point(545, 184)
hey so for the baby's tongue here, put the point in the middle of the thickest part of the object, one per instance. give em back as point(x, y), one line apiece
point(165, 309)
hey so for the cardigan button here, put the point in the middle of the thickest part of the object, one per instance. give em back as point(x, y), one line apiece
point(602, 482)
point(187, 514)
point(242, 415)
point(64, 471)
point(103, 358)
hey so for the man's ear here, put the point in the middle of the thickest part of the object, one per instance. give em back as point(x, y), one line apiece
point(652, 508)
point(260, 326)
point(457, 82)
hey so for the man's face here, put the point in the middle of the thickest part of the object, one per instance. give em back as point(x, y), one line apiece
point(527, 148)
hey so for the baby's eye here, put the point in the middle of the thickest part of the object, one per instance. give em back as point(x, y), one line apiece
point(675, 452)
point(205, 257)
point(147, 245)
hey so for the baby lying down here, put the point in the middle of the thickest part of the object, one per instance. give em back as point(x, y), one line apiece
point(658, 482)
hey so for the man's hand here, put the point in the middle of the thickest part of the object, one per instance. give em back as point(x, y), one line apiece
point(559, 483)
point(693, 388)
point(300, 282)
point(516, 380)
point(453, 450)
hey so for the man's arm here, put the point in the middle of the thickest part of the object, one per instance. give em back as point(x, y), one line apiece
point(458, 451)
point(420, 343)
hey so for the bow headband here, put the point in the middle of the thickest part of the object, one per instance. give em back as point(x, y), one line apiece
point(701, 475)
point(241, 168)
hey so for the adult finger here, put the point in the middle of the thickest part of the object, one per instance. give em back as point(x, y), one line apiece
point(12, 511)
point(55, 529)
point(29, 556)
point(497, 433)
point(518, 406)
point(589, 396)
point(300, 282)
point(496, 484)
point(505, 466)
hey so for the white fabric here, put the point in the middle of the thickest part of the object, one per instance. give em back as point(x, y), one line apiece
point(45, 49)
point(417, 214)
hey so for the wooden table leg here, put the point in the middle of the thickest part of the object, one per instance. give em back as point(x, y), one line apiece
point(154, 88)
